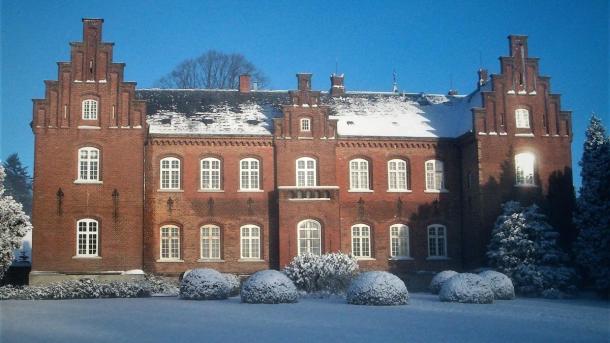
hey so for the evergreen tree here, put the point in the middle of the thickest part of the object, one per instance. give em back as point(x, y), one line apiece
point(592, 215)
point(524, 247)
point(18, 182)
point(14, 224)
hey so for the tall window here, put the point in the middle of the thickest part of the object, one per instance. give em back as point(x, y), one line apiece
point(210, 242)
point(249, 171)
point(361, 240)
point(399, 240)
point(87, 237)
point(437, 241)
point(524, 168)
point(305, 124)
point(522, 118)
point(435, 177)
point(88, 164)
point(309, 237)
point(170, 243)
point(397, 175)
point(210, 174)
point(90, 109)
point(306, 172)
point(250, 242)
point(359, 174)
point(170, 173)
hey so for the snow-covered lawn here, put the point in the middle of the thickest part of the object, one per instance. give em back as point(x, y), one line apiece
point(425, 319)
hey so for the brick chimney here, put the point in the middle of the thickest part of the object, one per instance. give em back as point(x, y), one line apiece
point(244, 83)
point(337, 86)
point(92, 30)
point(304, 81)
point(483, 77)
point(517, 45)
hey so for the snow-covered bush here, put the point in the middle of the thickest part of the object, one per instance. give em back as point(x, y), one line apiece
point(467, 288)
point(14, 224)
point(234, 283)
point(268, 287)
point(501, 285)
point(377, 288)
point(439, 279)
point(524, 247)
point(76, 289)
point(332, 272)
point(204, 284)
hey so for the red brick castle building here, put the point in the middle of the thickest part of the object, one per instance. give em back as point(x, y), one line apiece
point(243, 180)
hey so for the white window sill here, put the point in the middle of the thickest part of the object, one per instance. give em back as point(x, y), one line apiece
point(210, 190)
point(401, 258)
point(305, 138)
point(366, 259)
point(250, 260)
point(400, 191)
point(437, 258)
point(88, 127)
point(524, 135)
point(360, 191)
point(170, 190)
point(436, 191)
point(88, 182)
point(210, 260)
point(525, 185)
point(168, 260)
point(79, 257)
point(308, 187)
point(250, 190)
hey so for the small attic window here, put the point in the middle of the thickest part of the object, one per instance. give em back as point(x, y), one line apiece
point(349, 122)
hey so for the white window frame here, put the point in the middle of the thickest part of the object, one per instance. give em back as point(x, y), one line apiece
point(88, 166)
point(522, 118)
point(525, 165)
point(435, 176)
point(305, 124)
point(210, 240)
point(170, 240)
point(359, 175)
point(249, 176)
point(306, 175)
point(361, 241)
point(170, 173)
point(89, 109)
point(250, 242)
point(309, 237)
point(210, 177)
point(87, 239)
point(437, 240)
point(396, 175)
point(399, 241)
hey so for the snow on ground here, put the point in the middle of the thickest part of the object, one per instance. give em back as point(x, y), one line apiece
point(425, 319)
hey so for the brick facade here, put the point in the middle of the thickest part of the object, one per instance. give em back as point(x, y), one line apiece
point(130, 206)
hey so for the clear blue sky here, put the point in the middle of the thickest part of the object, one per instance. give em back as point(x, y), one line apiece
point(427, 42)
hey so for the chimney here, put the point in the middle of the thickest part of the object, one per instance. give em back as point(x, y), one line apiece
point(244, 83)
point(92, 30)
point(483, 77)
point(304, 81)
point(517, 45)
point(337, 86)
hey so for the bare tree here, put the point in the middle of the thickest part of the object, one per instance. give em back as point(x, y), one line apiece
point(213, 69)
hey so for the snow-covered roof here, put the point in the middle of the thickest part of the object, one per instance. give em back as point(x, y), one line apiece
point(373, 114)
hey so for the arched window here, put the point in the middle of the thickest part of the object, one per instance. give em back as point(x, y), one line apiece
point(87, 237)
point(522, 118)
point(435, 176)
point(361, 241)
point(170, 173)
point(437, 241)
point(210, 173)
point(309, 233)
point(170, 242)
point(524, 169)
point(397, 175)
point(399, 240)
point(90, 109)
point(88, 164)
point(250, 242)
point(210, 242)
point(359, 174)
point(306, 172)
point(305, 124)
point(249, 172)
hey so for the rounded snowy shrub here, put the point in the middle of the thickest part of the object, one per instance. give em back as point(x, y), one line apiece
point(332, 272)
point(501, 285)
point(467, 288)
point(377, 288)
point(439, 279)
point(234, 283)
point(268, 287)
point(204, 284)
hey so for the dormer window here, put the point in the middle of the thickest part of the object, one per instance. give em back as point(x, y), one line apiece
point(522, 118)
point(305, 124)
point(90, 109)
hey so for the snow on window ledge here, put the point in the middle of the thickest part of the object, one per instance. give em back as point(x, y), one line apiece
point(250, 260)
point(526, 185)
point(436, 191)
point(211, 190)
point(360, 191)
point(365, 258)
point(250, 190)
point(88, 182)
point(170, 260)
point(401, 258)
point(210, 260)
point(170, 190)
point(85, 257)
point(437, 258)
point(399, 191)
